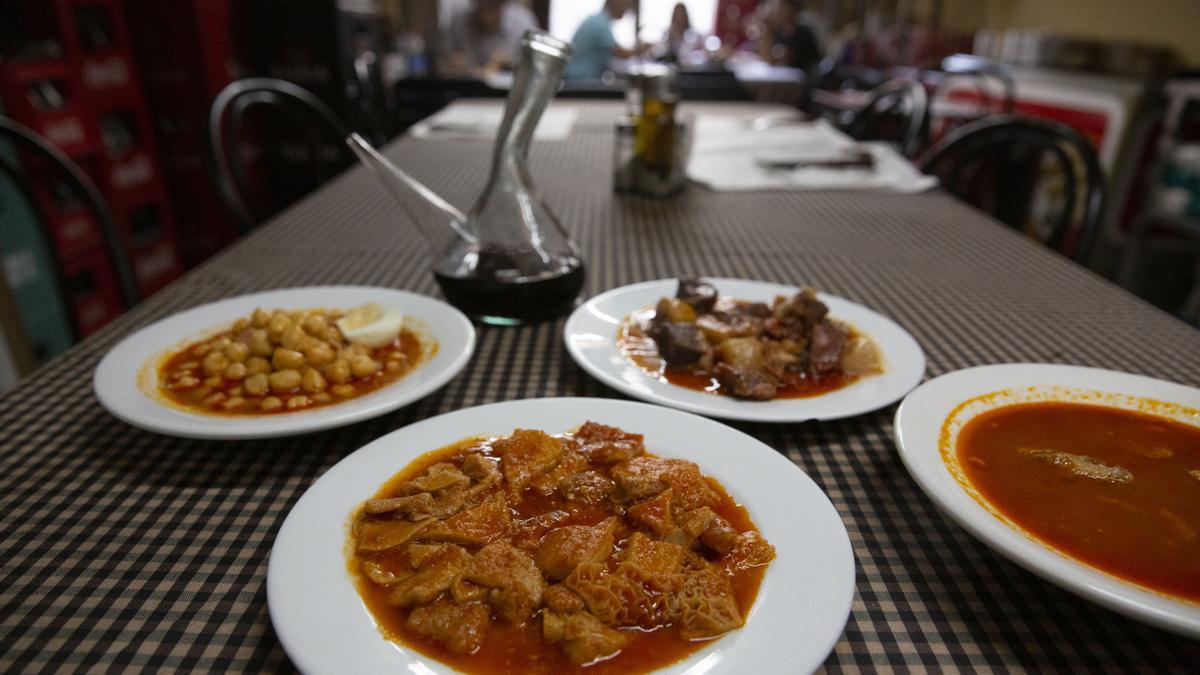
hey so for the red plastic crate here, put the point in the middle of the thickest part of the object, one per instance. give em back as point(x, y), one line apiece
point(66, 122)
point(150, 238)
point(93, 294)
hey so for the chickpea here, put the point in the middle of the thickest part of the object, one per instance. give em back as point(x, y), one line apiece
point(215, 362)
point(337, 372)
point(186, 382)
point(257, 364)
point(214, 398)
point(287, 358)
point(312, 382)
point(270, 403)
point(319, 354)
point(241, 325)
point(294, 337)
point(257, 384)
point(235, 371)
point(260, 343)
point(332, 335)
point(213, 382)
point(189, 365)
point(363, 366)
point(234, 403)
point(278, 325)
point(284, 380)
point(322, 398)
point(298, 402)
point(393, 366)
point(236, 391)
point(260, 318)
point(237, 352)
point(342, 390)
point(314, 325)
point(221, 343)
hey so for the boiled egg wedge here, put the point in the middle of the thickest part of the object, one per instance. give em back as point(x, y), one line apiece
point(371, 325)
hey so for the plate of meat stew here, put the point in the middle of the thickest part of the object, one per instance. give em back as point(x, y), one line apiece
point(1089, 478)
point(746, 350)
point(558, 536)
point(283, 362)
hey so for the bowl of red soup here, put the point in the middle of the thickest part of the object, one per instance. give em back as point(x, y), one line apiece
point(1089, 478)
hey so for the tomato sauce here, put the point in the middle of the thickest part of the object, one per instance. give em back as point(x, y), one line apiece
point(1144, 527)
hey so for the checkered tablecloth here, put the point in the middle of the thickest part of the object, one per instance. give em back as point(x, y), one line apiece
point(124, 549)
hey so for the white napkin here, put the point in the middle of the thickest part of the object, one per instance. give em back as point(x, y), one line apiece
point(476, 121)
point(730, 154)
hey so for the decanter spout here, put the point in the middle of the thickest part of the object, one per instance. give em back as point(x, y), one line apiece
point(407, 190)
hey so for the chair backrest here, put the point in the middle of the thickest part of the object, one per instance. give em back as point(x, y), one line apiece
point(313, 123)
point(897, 111)
point(28, 142)
point(986, 77)
point(997, 163)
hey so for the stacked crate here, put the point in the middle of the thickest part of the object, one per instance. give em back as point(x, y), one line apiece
point(77, 86)
point(184, 52)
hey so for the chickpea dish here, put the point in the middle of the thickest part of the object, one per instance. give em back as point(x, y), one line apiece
point(286, 360)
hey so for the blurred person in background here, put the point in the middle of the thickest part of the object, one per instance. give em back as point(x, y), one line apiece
point(785, 39)
point(484, 36)
point(595, 45)
point(679, 40)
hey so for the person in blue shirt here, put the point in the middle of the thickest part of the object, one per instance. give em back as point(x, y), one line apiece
point(594, 43)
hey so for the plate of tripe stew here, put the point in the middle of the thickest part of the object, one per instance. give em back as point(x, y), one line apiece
point(283, 362)
point(746, 350)
point(558, 536)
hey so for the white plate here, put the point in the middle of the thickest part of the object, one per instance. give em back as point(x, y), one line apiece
point(125, 381)
point(919, 427)
point(802, 604)
point(591, 334)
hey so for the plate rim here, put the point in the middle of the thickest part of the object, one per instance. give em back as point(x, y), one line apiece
point(108, 394)
point(745, 414)
point(1017, 546)
point(841, 545)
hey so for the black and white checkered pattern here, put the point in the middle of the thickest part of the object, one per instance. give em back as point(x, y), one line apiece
point(124, 549)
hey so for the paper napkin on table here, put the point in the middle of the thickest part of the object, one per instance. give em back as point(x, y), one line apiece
point(730, 154)
point(468, 121)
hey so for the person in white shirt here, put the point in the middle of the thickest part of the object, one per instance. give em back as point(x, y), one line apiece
point(483, 38)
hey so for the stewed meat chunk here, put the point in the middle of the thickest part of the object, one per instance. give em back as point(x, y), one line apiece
point(515, 582)
point(746, 382)
point(701, 295)
point(486, 522)
point(585, 639)
point(460, 627)
point(525, 455)
point(681, 344)
point(564, 548)
point(608, 445)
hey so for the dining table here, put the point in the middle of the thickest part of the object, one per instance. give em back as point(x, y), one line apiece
point(122, 549)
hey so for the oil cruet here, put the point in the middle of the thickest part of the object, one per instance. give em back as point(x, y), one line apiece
point(509, 261)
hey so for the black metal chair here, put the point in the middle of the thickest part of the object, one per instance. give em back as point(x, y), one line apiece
point(49, 158)
point(897, 112)
point(986, 77)
point(291, 158)
point(997, 164)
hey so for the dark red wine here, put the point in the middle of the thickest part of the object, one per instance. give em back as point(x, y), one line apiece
point(497, 301)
